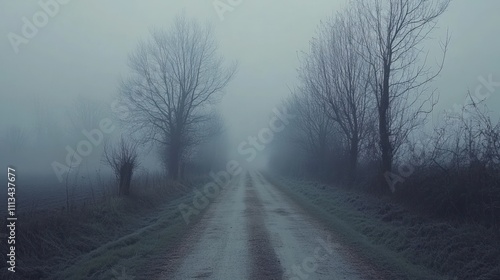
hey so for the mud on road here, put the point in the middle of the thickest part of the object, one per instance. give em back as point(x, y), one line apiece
point(252, 231)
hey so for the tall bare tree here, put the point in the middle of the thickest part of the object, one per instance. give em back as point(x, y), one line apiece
point(85, 113)
point(336, 74)
point(393, 34)
point(176, 76)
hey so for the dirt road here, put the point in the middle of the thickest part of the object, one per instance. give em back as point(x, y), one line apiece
point(253, 231)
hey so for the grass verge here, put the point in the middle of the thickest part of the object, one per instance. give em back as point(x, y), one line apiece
point(404, 244)
point(112, 239)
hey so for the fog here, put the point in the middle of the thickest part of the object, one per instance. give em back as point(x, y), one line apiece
point(82, 52)
point(83, 49)
point(149, 99)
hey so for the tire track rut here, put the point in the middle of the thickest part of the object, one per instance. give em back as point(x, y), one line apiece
point(266, 264)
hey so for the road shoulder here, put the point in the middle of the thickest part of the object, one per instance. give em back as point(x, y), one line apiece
point(316, 201)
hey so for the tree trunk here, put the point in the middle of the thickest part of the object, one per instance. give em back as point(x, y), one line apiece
point(125, 179)
point(174, 161)
point(182, 169)
point(384, 133)
point(353, 159)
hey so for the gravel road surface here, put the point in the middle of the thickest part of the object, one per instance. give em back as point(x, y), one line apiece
point(251, 230)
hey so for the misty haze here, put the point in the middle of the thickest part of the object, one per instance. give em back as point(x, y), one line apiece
point(238, 139)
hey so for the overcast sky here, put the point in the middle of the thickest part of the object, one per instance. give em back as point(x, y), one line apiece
point(83, 49)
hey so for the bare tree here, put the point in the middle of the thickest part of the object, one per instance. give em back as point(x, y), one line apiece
point(469, 140)
point(85, 114)
point(123, 161)
point(336, 74)
point(176, 76)
point(14, 139)
point(393, 33)
point(49, 134)
point(311, 131)
point(195, 136)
